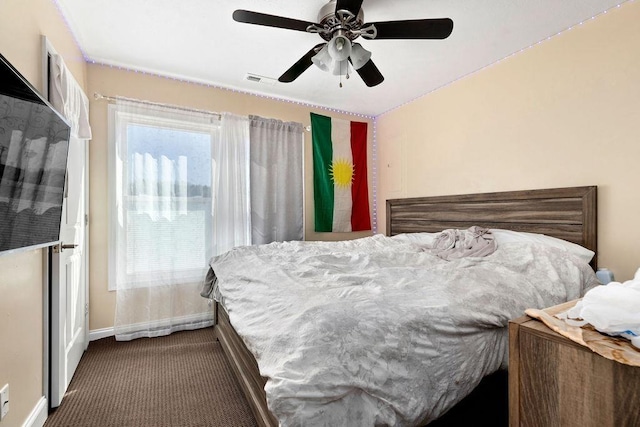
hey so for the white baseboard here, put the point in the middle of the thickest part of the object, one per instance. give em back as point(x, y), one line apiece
point(38, 415)
point(97, 334)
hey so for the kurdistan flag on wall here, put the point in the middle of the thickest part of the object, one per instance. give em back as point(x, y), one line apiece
point(341, 191)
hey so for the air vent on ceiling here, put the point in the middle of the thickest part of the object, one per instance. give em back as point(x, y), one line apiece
point(260, 79)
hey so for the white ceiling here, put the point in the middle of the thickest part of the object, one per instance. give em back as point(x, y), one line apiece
point(197, 40)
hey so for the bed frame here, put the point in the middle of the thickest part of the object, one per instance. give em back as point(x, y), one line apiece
point(566, 213)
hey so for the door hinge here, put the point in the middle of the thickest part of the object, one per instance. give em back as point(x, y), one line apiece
point(86, 308)
point(86, 219)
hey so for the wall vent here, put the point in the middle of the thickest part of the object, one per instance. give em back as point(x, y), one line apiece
point(260, 79)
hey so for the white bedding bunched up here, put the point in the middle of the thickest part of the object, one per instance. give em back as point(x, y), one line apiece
point(377, 331)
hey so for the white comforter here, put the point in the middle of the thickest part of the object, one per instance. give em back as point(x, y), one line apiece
point(376, 331)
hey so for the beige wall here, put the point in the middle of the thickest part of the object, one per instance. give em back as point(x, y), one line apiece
point(563, 113)
point(22, 22)
point(21, 356)
point(116, 82)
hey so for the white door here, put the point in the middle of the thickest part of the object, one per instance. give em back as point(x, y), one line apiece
point(69, 309)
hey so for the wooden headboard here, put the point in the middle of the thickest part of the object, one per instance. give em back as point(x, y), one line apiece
point(566, 213)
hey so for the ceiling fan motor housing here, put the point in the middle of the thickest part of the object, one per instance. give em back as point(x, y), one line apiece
point(332, 20)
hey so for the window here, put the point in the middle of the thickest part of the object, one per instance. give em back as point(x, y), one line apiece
point(161, 216)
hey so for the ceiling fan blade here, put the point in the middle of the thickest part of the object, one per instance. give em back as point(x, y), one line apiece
point(301, 66)
point(439, 28)
point(352, 6)
point(370, 74)
point(257, 18)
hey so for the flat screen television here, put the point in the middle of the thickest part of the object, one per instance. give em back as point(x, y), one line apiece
point(34, 143)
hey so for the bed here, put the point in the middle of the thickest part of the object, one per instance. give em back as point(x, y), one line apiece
point(564, 213)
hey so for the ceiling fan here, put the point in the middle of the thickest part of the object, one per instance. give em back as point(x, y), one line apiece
point(340, 22)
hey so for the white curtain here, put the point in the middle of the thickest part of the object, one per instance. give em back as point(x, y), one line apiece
point(276, 180)
point(179, 198)
point(231, 202)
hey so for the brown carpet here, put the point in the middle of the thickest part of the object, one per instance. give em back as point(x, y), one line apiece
point(182, 379)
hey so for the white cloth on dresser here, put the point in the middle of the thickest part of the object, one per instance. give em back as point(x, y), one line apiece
point(613, 309)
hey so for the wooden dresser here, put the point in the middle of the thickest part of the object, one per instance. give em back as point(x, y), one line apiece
point(554, 382)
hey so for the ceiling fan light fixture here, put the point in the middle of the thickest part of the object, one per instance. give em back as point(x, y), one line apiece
point(322, 59)
point(359, 56)
point(339, 48)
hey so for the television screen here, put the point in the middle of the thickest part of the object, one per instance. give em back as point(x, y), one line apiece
point(34, 142)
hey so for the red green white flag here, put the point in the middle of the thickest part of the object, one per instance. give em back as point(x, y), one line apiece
point(341, 190)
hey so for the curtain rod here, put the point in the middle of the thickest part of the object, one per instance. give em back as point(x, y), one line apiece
point(98, 97)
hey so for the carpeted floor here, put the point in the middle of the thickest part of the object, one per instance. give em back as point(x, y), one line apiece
point(179, 380)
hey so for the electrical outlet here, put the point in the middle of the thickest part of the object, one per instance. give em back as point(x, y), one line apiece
point(4, 401)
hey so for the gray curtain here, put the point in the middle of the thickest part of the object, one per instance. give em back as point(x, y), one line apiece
point(276, 180)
